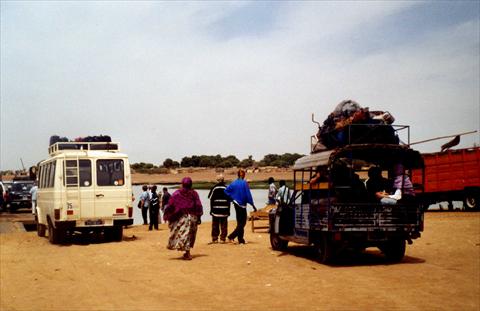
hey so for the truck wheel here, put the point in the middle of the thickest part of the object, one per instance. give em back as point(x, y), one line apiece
point(470, 202)
point(325, 250)
point(41, 230)
point(117, 233)
point(394, 250)
point(55, 236)
point(277, 243)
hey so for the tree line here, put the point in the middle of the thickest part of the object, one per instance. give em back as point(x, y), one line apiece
point(218, 161)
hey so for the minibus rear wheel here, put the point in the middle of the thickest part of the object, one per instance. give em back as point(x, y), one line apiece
point(55, 236)
point(117, 233)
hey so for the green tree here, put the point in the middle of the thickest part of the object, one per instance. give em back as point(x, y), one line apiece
point(168, 163)
point(249, 162)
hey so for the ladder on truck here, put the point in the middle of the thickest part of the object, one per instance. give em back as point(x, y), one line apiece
point(71, 171)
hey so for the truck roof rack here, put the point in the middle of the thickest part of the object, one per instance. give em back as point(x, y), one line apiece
point(61, 147)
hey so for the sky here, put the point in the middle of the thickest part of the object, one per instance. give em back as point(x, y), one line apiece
point(174, 79)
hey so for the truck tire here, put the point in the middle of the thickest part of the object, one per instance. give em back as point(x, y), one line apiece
point(277, 243)
point(394, 250)
point(325, 250)
point(117, 233)
point(55, 236)
point(470, 201)
point(41, 230)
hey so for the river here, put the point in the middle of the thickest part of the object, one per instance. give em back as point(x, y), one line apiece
point(259, 198)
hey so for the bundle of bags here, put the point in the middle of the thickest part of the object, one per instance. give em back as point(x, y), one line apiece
point(350, 123)
point(99, 138)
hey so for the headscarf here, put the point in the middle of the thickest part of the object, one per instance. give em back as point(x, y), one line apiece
point(183, 201)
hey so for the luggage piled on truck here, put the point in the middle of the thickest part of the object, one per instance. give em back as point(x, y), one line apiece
point(89, 139)
point(350, 123)
point(100, 142)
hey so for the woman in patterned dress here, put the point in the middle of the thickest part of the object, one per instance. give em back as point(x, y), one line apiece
point(183, 215)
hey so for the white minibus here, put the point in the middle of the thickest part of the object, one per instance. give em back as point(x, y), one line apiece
point(84, 186)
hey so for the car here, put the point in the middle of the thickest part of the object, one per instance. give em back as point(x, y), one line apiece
point(19, 194)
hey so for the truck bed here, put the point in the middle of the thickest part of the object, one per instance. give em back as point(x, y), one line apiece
point(453, 170)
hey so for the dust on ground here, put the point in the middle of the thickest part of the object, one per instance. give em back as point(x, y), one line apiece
point(441, 271)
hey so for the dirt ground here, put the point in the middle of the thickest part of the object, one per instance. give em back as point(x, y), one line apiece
point(441, 271)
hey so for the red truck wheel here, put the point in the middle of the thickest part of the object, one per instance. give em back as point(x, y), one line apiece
point(470, 202)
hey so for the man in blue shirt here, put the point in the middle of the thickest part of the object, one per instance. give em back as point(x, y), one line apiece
point(145, 198)
point(240, 194)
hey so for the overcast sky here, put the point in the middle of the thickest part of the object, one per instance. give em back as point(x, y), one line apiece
point(175, 79)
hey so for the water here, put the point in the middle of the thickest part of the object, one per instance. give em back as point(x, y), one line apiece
point(259, 198)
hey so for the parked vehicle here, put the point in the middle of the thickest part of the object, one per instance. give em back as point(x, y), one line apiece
point(333, 212)
point(84, 186)
point(453, 175)
point(19, 195)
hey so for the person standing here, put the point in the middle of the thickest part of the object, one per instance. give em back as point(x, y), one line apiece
point(165, 197)
point(239, 192)
point(183, 214)
point(283, 193)
point(272, 191)
point(154, 208)
point(145, 199)
point(33, 193)
point(220, 210)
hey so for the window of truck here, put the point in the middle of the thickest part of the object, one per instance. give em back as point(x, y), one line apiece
point(47, 175)
point(85, 171)
point(51, 177)
point(110, 172)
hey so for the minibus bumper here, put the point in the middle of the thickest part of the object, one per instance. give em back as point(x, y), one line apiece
point(123, 222)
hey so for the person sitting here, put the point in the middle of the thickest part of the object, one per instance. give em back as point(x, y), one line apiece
point(358, 192)
point(375, 183)
point(320, 175)
point(402, 186)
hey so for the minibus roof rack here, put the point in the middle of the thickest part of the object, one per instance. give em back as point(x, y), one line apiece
point(61, 147)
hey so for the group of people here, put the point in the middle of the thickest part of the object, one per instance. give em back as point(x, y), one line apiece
point(183, 209)
point(150, 203)
point(349, 187)
point(279, 196)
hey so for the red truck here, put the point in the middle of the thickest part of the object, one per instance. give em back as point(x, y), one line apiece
point(453, 175)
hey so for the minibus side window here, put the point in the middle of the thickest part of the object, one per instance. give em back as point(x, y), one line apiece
point(85, 170)
point(110, 173)
point(51, 179)
point(47, 174)
point(41, 176)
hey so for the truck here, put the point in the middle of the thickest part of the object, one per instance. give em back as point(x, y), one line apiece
point(332, 213)
point(452, 175)
point(84, 187)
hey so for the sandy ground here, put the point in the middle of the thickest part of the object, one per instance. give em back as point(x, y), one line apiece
point(210, 175)
point(441, 271)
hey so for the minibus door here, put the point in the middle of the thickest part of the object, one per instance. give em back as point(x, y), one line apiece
point(110, 189)
point(86, 189)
